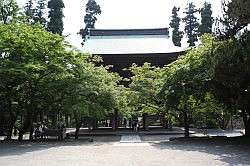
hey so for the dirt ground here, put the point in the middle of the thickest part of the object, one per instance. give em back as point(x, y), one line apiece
point(155, 150)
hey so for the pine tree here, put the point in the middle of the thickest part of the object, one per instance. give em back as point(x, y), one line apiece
point(8, 10)
point(55, 25)
point(29, 11)
point(206, 19)
point(39, 13)
point(92, 10)
point(239, 9)
point(191, 28)
point(235, 18)
point(175, 24)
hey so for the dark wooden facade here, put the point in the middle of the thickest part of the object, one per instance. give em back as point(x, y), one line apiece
point(122, 61)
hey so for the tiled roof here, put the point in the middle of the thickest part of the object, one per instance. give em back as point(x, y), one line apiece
point(128, 32)
point(146, 41)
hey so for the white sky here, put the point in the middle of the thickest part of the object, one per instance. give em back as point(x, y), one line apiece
point(122, 14)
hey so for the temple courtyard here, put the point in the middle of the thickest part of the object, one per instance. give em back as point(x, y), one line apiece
point(128, 149)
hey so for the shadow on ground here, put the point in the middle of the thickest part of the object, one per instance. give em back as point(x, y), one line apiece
point(15, 147)
point(233, 151)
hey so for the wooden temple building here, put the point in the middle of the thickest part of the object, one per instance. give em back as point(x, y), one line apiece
point(123, 47)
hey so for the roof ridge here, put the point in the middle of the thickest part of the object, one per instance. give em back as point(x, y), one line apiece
point(128, 32)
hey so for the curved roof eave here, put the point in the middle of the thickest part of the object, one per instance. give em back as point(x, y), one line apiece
point(130, 45)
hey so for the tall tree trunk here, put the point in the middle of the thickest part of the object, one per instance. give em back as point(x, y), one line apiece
point(42, 116)
point(145, 122)
point(67, 119)
point(165, 121)
point(186, 124)
point(246, 121)
point(10, 123)
point(78, 123)
point(89, 124)
point(26, 122)
point(94, 123)
point(10, 129)
point(77, 130)
point(54, 118)
point(116, 119)
point(32, 111)
point(24, 129)
point(113, 122)
point(247, 129)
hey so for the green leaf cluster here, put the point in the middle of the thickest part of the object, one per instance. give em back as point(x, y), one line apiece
point(43, 77)
point(144, 88)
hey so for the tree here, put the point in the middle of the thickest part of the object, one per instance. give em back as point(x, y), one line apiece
point(30, 56)
point(145, 85)
point(231, 75)
point(29, 11)
point(230, 69)
point(206, 19)
point(186, 82)
point(232, 22)
point(8, 10)
point(92, 10)
point(39, 13)
point(191, 28)
point(239, 10)
point(41, 77)
point(175, 24)
point(55, 25)
point(94, 92)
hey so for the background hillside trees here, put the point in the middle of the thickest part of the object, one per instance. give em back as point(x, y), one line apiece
point(175, 24)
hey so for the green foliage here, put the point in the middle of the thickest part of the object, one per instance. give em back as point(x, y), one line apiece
point(92, 10)
point(191, 28)
point(94, 88)
point(145, 85)
point(187, 82)
point(206, 19)
point(212, 112)
point(30, 56)
point(41, 74)
point(231, 71)
point(175, 24)
point(232, 22)
point(55, 25)
point(239, 9)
